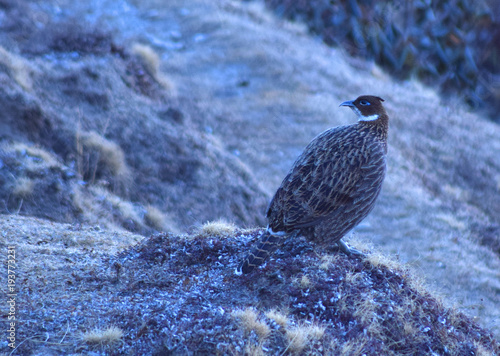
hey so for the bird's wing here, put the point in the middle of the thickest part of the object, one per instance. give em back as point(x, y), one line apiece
point(329, 176)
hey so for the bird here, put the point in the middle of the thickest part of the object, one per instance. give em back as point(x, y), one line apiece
point(331, 187)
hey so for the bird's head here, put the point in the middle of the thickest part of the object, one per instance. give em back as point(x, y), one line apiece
point(367, 107)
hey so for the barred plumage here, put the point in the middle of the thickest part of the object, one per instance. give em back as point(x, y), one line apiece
point(332, 186)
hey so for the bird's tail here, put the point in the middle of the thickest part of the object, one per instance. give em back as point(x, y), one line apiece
point(267, 245)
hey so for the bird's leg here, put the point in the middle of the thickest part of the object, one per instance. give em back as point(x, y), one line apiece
point(349, 250)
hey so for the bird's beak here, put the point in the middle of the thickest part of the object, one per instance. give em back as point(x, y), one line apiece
point(348, 103)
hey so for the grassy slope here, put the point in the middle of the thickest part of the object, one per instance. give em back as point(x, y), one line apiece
point(179, 294)
point(442, 186)
point(266, 88)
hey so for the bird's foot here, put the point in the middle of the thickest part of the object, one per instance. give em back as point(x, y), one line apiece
point(349, 250)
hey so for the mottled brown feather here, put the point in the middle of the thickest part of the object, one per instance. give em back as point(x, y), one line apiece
point(332, 185)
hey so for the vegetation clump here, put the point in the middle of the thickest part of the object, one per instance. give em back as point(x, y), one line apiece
point(452, 44)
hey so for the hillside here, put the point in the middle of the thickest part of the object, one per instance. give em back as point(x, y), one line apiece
point(179, 295)
point(123, 119)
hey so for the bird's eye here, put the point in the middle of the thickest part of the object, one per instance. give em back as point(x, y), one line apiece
point(364, 102)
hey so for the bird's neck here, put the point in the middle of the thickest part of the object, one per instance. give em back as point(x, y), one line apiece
point(378, 126)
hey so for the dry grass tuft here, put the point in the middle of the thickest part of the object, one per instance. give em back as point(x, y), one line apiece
point(481, 350)
point(217, 228)
point(109, 154)
point(452, 221)
point(316, 332)
point(127, 209)
point(418, 284)
point(110, 336)
point(84, 203)
point(409, 329)
point(279, 317)
point(366, 312)
point(353, 277)
point(300, 336)
point(354, 347)
point(297, 339)
point(151, 62)
point(23, 187)
point(253, 350)
point(150, 58)
point(156, 218)
point(327, 261)
point(101, 207)
point(40, 158)
point(250, 322)
point(305, 282)
point(377, 260)
point(18, 68)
